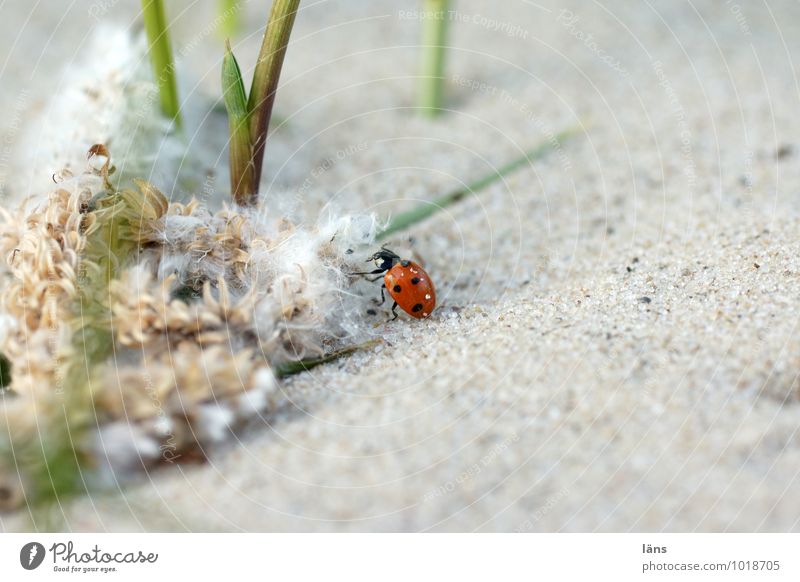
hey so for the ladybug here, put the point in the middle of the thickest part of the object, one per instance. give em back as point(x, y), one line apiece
point(408, 284)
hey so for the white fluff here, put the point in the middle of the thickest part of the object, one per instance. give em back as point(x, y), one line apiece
point(261, 395)
point(124, 447)
point(309, 270)
point(107, 96)
point(7, 326)
point(213, 422)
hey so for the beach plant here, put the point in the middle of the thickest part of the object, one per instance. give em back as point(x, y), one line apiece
point(87, 244)
point(435, 14)
point(160, 51)
point(242, 168)
point(425, 210)
point(256, 112)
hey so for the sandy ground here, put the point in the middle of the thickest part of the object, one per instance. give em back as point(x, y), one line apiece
point(616, 346)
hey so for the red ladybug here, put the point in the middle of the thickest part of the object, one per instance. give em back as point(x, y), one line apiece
point(407, 283)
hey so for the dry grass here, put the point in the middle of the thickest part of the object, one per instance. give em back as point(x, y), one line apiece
point(138, 331)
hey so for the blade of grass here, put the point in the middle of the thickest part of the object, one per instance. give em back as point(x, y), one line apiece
point(426, 209)
point(291, 368)
point(155, 23)
point(229, 22)
point(241, 163)
point(265, 79)
point(435, 14)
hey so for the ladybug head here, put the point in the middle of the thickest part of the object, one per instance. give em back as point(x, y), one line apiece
point(385, 259)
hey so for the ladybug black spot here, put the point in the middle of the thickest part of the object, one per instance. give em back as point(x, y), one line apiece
point(415, 280)
point(397, 288)
point(417, 307)
point(404, 263)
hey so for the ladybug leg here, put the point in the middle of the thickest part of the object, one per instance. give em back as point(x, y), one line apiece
point(375, 272)
point(383, 295)
point(394, 307)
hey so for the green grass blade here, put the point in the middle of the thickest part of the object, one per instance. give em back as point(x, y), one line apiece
point(241, 165)
point(291, 368)
point(426, 209)
point(266, 76)
point(229, 21)
point(155, 23)
point(434, 38)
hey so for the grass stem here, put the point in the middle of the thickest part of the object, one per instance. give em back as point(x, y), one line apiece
point(426, 209)
point(435, 15)
point(155, 24)
point(241, 162)
point(265, 79)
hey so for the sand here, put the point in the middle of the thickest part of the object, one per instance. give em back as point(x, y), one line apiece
point(616, 346)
